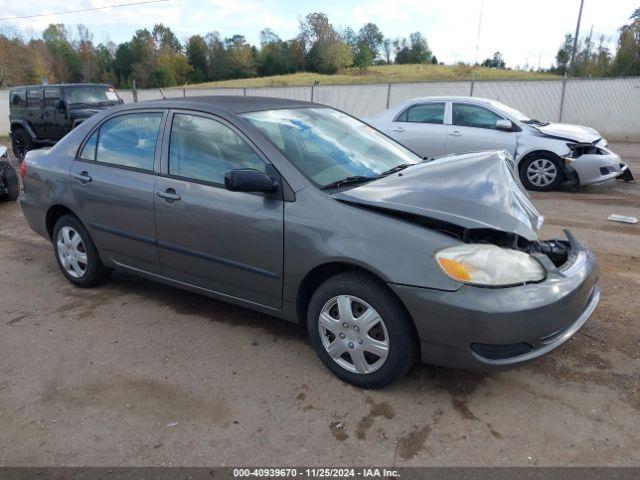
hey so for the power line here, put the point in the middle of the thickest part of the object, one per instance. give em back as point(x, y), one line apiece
point(85, 9)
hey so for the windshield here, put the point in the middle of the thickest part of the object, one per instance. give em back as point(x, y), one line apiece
point(91, 94)
point(329, 146)
point(517, 114)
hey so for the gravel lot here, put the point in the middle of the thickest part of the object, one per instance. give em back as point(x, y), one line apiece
point(135, 373)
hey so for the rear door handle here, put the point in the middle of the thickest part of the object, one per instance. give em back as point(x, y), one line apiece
point(84, 177)
point(455, 133)
point(398, 129)
point(169, 195)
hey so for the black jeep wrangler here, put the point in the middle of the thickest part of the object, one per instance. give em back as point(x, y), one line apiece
point(40, 115)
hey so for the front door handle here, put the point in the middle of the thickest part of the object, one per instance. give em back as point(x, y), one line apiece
point(169, 195)
point(398, 129)
point(84, 177)
point(455, 133)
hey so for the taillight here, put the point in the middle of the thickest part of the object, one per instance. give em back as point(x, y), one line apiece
point(23, 169)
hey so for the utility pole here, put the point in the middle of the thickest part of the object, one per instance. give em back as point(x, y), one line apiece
point(571, 65)
point(586, 60)
point(575, 40)
point(479, 31)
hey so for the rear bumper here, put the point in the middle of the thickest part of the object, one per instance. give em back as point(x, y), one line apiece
point(33, 212)
point(484, 329)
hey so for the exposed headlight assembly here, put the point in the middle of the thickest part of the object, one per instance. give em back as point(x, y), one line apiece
point(489, 265)
point(578, 149)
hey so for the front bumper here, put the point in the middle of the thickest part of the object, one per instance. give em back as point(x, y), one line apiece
point(484, 329)
point(591, 169)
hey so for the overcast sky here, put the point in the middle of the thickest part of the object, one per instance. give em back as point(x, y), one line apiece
point(524, 31)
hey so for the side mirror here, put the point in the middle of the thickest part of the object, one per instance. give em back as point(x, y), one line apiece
point(249, 180)
point(502, 124)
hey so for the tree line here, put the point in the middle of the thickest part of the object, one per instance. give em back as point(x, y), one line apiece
point(595, 59)
point(157, 58)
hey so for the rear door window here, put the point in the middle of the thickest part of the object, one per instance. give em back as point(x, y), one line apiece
point(129, 140)
point(423, 113)
point(35, 97)
point(50, 96)
point(205, 149)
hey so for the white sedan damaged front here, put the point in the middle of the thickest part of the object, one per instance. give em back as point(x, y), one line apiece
point(591, 163)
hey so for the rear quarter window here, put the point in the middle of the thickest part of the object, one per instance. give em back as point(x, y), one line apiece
point(89, 149)
point(18, 98)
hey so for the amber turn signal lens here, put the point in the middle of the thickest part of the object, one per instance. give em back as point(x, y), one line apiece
point(454, 269)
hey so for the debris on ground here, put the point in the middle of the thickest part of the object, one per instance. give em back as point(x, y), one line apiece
point(622, 218)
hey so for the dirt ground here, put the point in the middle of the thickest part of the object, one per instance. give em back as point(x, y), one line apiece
point(134, 373)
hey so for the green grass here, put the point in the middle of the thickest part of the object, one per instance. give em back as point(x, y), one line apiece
point(384, 74)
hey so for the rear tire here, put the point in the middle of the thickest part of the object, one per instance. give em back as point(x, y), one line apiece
point(21, 143)
point(10, 180)
point(541, 172)
point(356, 352)
point(76, 253)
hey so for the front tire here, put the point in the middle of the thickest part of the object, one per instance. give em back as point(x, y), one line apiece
point(76, 253)
point(21, 143)
point(541, 173)
point(10, 181)
point(361, 331)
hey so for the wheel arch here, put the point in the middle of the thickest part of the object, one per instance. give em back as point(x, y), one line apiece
point(16, 124)
point(54, 213)
point(540, 152)
point(543, 154)
point(319, 274)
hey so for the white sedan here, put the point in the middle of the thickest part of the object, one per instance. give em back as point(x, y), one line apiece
point(547, 153)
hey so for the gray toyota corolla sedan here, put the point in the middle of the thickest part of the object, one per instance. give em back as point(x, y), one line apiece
point(303, 212)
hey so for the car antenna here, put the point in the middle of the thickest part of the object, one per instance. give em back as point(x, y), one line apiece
point(162, 93)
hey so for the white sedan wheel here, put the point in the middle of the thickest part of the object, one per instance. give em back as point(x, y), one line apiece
point(542, 172)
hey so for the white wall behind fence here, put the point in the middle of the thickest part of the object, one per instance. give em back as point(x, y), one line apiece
point(4, 112)
point(611, 106)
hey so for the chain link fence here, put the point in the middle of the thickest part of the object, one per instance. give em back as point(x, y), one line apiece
point(611, 106)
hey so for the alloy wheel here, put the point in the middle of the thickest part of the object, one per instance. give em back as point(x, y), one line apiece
point(71, 252)
point(353, 334)
point(542, 172)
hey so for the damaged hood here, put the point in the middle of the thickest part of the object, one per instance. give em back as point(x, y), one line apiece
point(473, 191)
point(575, 133)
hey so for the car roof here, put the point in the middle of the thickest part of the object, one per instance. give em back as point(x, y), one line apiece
point(451, 99)
point(227, 103)
point(41, 85)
